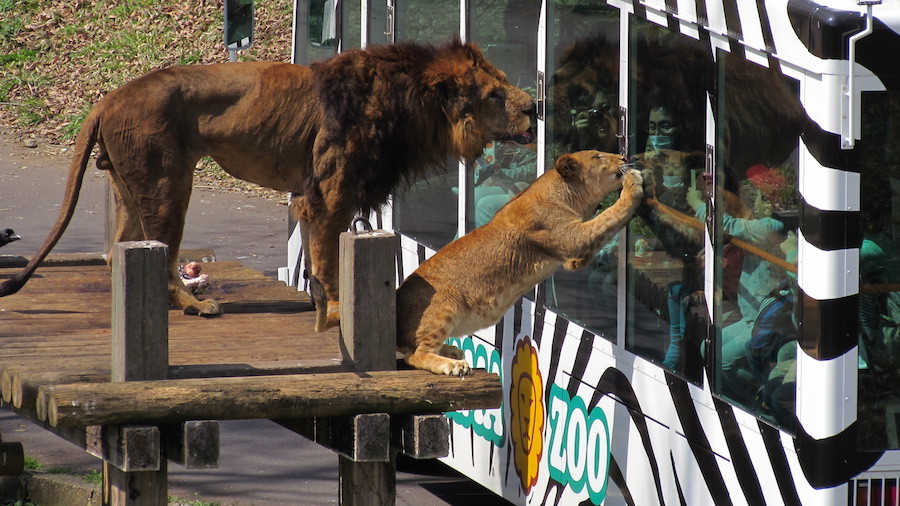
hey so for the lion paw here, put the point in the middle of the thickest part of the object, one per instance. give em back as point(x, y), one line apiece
point(649, 182)
point(428, 360)
point(454, 368)
point(634, 184)
point(208, 307)
point(450, 351)
point(328, 317)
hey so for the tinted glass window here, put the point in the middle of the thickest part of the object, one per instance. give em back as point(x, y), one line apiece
point(582, 111)
point(879, 265)
point(759, 120)
point(507, 33)
point(427, 210)
point(668, 78)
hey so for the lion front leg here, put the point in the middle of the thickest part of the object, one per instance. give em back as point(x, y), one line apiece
point(182, 298)
point(593, 234)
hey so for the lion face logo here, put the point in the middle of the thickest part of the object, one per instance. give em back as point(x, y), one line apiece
point(526, 406)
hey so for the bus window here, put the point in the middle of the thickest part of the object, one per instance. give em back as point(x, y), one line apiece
point(322, 23)
point(759, 119)
point(667, 118)
point(582, 111)
point(507, 33)
point(427, 210)
point(879, 267)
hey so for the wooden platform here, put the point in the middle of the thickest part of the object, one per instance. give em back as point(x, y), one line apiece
point(61, 363)
point(60, 322)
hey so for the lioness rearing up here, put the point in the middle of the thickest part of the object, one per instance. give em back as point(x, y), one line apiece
point(469, 284)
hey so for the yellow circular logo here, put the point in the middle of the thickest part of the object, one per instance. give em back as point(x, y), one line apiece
point(526, 406)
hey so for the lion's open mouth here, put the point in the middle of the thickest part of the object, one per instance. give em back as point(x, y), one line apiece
point(527, 137)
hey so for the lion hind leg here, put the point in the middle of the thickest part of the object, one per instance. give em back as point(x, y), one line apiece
point(431, 353)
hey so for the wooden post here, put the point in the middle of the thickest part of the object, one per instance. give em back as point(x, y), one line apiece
point(140, 351)
point(140, 311)
point(369, 340)
point(12, 459)
point(368, 300)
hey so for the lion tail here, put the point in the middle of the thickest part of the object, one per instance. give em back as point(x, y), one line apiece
point(84, 143)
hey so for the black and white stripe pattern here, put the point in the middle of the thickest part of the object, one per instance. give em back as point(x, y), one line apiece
point(693, 445)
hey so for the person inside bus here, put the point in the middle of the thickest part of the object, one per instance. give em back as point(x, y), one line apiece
point(758, 279)
point(500, 174)
point(772, 350)
point(673, 165)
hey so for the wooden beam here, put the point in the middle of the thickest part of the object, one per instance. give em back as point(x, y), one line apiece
point(285, 396)
point(367, 483)
point(369, 343)
point(193, 444)
point(359, 438)
point(20, 386)
point(140, 311)
point(25, 385)
point(127, 447)
point(421, 436)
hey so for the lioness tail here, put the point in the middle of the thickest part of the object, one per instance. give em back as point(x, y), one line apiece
point(84, 143)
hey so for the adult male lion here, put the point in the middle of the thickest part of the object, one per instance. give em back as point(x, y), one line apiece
point(341, 134)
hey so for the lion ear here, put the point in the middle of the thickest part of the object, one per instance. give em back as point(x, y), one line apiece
point(567, 166)
point(445, 77)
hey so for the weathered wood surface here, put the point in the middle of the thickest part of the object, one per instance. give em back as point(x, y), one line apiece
point(60, 321)
point(20, 385)
point(368, 304)
point(288, 396)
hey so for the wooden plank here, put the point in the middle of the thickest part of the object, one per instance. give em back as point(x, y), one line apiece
point(285, 396)
point(54, 260)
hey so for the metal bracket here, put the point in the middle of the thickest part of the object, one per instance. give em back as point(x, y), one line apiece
point(390, 33)
point(849, 114)
point(541, 95)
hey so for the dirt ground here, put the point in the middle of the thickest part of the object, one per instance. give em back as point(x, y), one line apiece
point(261, 463)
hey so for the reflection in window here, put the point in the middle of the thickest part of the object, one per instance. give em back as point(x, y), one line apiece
point(667, 115)
point(506, 32)
point(582, 111)
point(755, 353)
point(879, 266)
point(427, 211)
point(322, 23)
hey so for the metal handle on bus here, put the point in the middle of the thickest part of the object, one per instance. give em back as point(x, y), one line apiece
point(850, 120)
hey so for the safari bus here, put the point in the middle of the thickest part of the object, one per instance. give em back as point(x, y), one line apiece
point(739, 341)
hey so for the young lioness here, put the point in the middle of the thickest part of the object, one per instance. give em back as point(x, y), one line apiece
point(469, 284)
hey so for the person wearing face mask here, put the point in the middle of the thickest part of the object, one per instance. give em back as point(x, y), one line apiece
point(662, 130)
